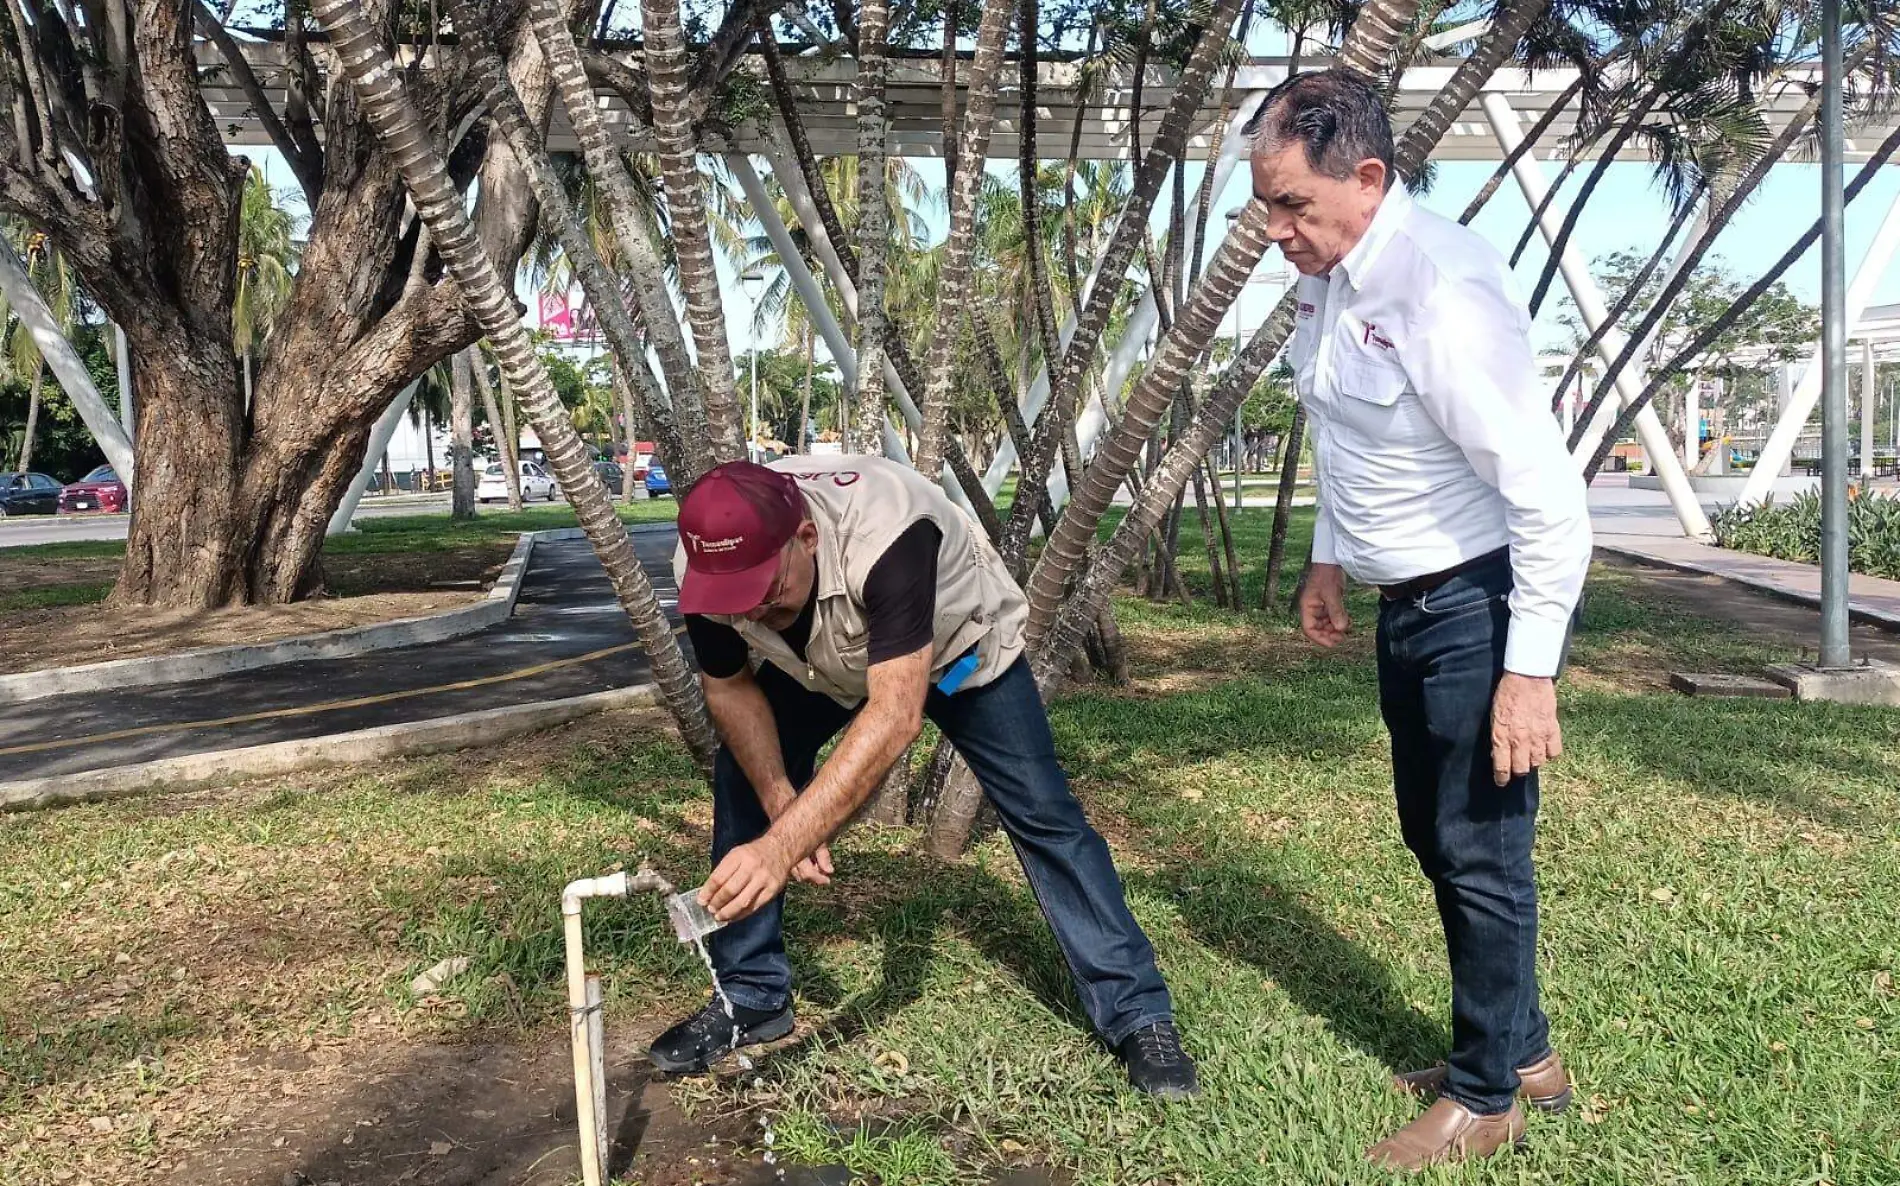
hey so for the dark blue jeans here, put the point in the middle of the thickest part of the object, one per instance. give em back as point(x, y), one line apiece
point(1003, 734)
point(1440, 658)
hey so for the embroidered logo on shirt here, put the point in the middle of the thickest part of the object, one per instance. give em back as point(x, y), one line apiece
point(843, 477)
point(1307, 309)
point(1375, 338)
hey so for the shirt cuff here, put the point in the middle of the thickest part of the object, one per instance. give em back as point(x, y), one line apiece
point(1535, 646)
point(1324, 550)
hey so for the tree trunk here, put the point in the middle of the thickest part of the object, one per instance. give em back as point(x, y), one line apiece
point(675, 431)
point(953, 276)
point(874, 220)
point(405, 137)
point(503, 429)
point(1604, 160)
point(667, 66)
point(1216, 573)
point(1179, 350)
point(651, 302)
point(32, 419)
point(1283, 508)
point(462, 438)
point(1499, 44)
point(428, 444)
point(1130, 230)
point(1226, 536)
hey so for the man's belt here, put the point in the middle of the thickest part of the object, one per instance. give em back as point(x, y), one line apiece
point(1419, 586)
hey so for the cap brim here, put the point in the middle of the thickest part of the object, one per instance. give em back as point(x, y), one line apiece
point(730, 593)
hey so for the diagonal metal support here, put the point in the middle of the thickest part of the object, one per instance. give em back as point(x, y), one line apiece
point(1529, 173)
point(1779, 447)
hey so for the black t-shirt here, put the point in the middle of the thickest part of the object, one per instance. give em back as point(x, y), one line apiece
point(900, 607)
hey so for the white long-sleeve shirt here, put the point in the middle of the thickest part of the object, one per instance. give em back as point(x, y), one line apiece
point(1433, 443)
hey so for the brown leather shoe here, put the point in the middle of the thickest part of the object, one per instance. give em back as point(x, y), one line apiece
point(1448, 1132)
point(1544, 1084)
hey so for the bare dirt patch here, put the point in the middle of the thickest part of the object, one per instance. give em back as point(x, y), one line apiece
point(374, 588)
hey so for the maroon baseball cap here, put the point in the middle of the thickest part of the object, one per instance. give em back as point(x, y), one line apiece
point(734, 523)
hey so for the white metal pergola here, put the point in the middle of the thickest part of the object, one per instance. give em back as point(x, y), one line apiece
point(1510, 102)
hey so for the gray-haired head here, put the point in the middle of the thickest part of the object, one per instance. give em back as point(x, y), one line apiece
point(1336, 115)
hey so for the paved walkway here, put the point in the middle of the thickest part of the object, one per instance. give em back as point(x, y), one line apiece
point(1869, 599)
point(568, 637)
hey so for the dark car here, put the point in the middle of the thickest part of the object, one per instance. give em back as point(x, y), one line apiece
point(28, 494)
point(611, 476)
point(657, 481)
point(99, 490)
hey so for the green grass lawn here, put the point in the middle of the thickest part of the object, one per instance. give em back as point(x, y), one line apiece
point(1720, 879)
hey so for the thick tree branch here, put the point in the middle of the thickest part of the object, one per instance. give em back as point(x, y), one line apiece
point(305, 160)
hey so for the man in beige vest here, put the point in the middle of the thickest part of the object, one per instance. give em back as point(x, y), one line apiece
point(872, 602)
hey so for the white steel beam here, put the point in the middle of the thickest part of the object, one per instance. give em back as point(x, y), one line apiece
point(1779, 447)
point(1583, 290)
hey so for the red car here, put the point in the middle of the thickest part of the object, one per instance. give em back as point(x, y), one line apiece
point(99, 490)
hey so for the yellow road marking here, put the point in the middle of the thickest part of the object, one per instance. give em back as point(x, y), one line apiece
point(328, 706)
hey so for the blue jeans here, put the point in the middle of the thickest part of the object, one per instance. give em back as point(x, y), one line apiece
point(1441, 655)
point(1001, 731)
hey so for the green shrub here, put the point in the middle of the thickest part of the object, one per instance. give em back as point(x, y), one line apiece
point(1792, 531)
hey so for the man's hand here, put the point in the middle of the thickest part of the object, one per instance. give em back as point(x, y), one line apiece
point(749, 878)
point(816, 868)
point(1524, 730)
point(1323, 605)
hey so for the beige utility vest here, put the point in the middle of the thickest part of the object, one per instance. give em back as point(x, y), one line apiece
point(860, 506)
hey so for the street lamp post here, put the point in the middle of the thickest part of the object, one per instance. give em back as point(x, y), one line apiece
point(1834, 639)
point(753, 281)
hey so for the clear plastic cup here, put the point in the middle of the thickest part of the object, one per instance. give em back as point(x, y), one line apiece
point(691, 921)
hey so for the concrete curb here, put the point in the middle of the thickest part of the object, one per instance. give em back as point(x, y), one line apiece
point(204, 662)
point(463, 731)
point(1867, 617)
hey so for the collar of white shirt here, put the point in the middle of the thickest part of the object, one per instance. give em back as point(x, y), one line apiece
point(1357, 264)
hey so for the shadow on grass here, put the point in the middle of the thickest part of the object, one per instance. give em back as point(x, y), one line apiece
point(1237, 909)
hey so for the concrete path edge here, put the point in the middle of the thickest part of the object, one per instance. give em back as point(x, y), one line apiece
point(462, 731)
point(204, 662)
point(1861, 614)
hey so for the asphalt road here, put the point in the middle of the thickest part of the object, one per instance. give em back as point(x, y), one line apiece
point(568, 637)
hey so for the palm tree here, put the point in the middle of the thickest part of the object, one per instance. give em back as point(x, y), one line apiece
point(874, 218)
point(667, 67)
point(266, 259)
point(409, 142)
point(1065, 384)
point(652, 303)
point(673, 424)
point(972, 149)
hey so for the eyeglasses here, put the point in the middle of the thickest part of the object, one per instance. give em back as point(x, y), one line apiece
point(775, 592)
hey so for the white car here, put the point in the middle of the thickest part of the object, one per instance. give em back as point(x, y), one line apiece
point(535, 483)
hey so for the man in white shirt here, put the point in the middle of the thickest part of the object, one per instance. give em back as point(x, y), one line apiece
point(1444, 481)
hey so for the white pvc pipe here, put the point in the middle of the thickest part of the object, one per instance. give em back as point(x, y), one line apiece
point(1779, 447)
point(1583, 290)
point(585, 1028)
point(65, 363)
point(379, 437)
point(1089, 426)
